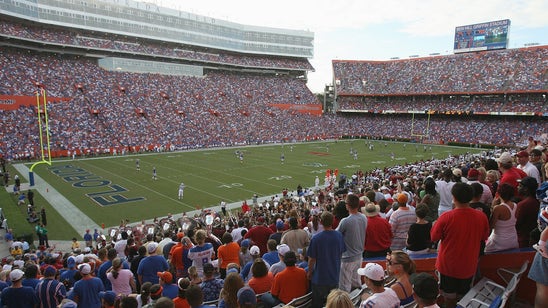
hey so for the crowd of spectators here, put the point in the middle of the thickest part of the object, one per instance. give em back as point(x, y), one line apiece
point(136, 46)
point(446, 104)
point(510, 70)
point(171, 264)
point(114, 110)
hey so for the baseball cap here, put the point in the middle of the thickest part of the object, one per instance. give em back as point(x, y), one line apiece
point(208, 268)
point(84, 268)
point(425, 286)
point(151, 247)
point(402, 198)
point(245, 243)
point(260, 219)
point(457, 172)
point(108, 296)
point(473, 174)
point(372, 271)
point(254, 250)
point(50, 271)
point(522, 154)
point(71, 262)
point(246, 296)
point(282, 249)
point(279, 225)
point(505, 158)
point(16, 275)
point(165, 276)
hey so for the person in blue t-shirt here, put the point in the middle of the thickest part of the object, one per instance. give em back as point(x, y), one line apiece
point(86, 290)
point(324, 252)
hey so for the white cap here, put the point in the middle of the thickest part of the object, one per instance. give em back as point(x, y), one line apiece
point(151, 247)
point(372, 271)
point(254, 250)
point(16, 275)
point(282, 249)
point(84, 268)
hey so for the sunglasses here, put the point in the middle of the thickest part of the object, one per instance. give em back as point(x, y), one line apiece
point(389, 262)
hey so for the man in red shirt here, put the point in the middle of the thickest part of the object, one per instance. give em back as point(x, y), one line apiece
point(461, 231)
point(378, 234)
point(259, 234)
point(510, 174)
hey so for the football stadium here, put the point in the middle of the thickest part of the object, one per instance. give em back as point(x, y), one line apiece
point(126, 124)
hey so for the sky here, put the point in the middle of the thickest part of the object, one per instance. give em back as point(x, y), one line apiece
point(376, 30)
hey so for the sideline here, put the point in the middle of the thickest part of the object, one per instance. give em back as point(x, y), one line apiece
point(79, 220)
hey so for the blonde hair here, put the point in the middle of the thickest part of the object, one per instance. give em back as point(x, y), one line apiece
point(494, 174)
point(338, 299)
point(200, 236)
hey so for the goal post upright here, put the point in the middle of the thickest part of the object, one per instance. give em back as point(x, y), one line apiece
point(41, 95)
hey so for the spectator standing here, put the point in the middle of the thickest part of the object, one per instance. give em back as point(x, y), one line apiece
point(295, 237)
point(431, 199)
point(353, 229)
point(460, 231)
point(202, 252)
point(259, 234)
point(503, 221)
point(17, 295)
point(510, 174)
point(86, 290)
point(401, 220)
point(378, 234)
point(527, 210)
point(324, 260)
point(526, 166)
point(227, 253)
point(418, 236)
point(151, 265)
point(539, 267)
point(50, 291)
point(443, 187)
point(277, 236)
point(121, 279)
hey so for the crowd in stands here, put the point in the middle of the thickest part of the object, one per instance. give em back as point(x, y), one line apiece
point(510, 70)
point(122, 110)
point(124, 44)
point(449, 104)
point(271, 252)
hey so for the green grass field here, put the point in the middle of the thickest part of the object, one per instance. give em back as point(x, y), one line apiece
point(109, 189)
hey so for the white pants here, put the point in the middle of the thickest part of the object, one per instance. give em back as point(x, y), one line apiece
point(349, 278)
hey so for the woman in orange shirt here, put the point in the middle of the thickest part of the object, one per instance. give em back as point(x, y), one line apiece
point(262, 278)
point(229, 252)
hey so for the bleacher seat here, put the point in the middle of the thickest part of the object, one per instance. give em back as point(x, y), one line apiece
point(487, 293)
point(304, 301)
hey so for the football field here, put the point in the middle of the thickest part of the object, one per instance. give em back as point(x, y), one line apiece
point(109, 189)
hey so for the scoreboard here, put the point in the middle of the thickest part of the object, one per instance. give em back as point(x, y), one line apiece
point(483, 36)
